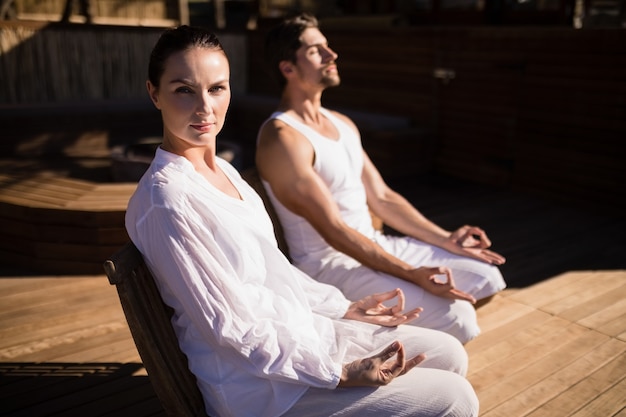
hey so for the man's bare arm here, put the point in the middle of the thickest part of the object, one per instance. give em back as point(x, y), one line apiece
point(395, 211)
point(284, 159)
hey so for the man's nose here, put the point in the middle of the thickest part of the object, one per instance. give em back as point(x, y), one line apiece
point(329, 54)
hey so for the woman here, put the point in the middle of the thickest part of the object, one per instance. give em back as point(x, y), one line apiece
point(262, 338)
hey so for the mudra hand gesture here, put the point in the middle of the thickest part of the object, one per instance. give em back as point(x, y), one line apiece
point(372, 310)
point(377, 370)
point(472, 241)
point(438, 281)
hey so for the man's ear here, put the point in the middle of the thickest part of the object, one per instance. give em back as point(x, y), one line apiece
point(152, 92)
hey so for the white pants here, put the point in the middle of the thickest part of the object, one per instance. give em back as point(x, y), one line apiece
point(436, 387)
point(455, 317)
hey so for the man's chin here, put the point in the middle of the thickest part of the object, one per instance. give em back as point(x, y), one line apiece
point(331, 82)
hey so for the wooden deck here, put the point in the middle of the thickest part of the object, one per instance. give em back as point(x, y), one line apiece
point(553, 344)
point(557, 348)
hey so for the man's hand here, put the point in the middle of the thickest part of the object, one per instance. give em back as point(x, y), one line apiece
point(371, 310)
point(472, 241)
point(375, 370)
point(427, 278)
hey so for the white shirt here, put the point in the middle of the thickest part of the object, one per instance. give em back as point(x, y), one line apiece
point(256, 330)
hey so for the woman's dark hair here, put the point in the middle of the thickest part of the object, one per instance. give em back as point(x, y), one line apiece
point(283, 40)
point(176, 40)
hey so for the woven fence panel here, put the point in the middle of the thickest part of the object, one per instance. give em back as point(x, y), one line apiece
point(56, 64)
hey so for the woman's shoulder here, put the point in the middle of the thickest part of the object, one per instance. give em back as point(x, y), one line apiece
point(161, 187)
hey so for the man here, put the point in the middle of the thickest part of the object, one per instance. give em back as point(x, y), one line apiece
point(323, 184)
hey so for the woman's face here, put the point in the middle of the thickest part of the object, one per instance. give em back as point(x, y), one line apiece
point(193, 96)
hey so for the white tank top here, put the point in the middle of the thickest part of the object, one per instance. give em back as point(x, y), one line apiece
point(339, 163)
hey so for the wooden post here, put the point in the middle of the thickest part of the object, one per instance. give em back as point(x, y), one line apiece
point(183, 12)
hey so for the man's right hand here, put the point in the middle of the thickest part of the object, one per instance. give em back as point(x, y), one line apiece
point(376, 371)
point(427, 278)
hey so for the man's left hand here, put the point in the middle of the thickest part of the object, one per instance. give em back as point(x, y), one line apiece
point(472, 241)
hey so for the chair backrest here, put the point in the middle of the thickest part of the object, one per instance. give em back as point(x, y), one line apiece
point(149, 322)
point(251, 175)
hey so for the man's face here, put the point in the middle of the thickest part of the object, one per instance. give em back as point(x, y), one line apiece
point(315, 61)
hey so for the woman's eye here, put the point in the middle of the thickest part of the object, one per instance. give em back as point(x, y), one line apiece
point(184, 90)
point(217, 89)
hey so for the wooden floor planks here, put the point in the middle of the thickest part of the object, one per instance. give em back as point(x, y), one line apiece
point(563, 358)
point(554, 349)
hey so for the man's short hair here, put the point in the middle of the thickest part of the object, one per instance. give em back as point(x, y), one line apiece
point(283, 40)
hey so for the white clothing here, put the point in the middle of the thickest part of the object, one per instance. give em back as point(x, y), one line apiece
point(257, 332)
point(339, 163)
point(445, 394)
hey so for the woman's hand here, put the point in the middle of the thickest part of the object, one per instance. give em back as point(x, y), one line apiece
point(376, 370)
point(372, 310)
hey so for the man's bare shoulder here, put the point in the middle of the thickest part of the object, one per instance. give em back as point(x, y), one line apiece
point(276, 132)
point(281, 148)
point(272, 128)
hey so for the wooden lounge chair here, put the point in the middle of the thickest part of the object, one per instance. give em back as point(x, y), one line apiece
point(149, 322)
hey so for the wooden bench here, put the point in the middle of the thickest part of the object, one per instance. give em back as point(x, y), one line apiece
point(396, 146)
point(61, 225)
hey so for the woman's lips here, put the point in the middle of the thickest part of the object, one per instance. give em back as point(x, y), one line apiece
point(202, 127)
